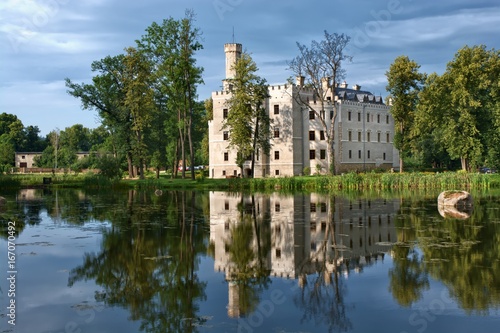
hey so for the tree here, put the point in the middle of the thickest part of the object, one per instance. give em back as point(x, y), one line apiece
point(247, 120)
point(172, 46)
point(139, 101)
point(463, 104)
point(404, 83)
point(321, 67)
point(106, 95)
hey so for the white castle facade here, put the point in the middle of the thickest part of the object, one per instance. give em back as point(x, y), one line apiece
point(364, 130)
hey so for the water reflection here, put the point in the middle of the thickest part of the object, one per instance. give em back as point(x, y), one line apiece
point(312, 238)
point(149, 258)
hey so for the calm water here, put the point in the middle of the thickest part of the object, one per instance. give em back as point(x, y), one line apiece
point(226, 262)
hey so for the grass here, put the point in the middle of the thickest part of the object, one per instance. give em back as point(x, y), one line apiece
point(348, 181)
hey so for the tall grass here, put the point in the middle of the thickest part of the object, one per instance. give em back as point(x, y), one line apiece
point(371, 181)
point(345, 182)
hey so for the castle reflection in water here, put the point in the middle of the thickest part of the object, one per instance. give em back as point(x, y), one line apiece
point(292, 236)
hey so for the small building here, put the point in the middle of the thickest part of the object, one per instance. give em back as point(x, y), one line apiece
point(27, 159)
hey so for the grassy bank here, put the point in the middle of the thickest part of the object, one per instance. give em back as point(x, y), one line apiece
point(348, 181)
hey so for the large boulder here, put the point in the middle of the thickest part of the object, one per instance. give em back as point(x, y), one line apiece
point(455, 204)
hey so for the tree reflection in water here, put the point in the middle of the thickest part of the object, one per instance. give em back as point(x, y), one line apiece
point(148, 270)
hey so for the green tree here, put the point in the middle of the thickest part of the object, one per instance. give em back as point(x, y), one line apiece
point(139, 101)
point(321, 67)
point(247, 117)
point(106, 95)
point(172, 46)
point(462, 105)
point(404, 83)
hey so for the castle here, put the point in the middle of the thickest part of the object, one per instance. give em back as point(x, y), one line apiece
point(364, 130)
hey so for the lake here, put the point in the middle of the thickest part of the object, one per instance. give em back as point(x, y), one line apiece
point(183, 261)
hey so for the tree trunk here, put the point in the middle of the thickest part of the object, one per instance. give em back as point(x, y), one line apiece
point(463, 161)
point(254, 146)
point(190, 140)
point(183, 152)
point(130, 165)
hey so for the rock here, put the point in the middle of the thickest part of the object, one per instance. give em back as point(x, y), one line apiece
point(455, 198)
point(455, 204)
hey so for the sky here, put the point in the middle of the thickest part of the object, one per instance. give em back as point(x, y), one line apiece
point(45, 41)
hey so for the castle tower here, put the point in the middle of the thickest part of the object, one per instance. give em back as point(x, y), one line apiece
point(233, 53)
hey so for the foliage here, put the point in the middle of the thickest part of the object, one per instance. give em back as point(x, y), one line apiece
point(247, 121)
point(404, 83)
point(109, 167)
point(458, 113)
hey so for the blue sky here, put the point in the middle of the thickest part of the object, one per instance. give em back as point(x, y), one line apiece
point(45, 41)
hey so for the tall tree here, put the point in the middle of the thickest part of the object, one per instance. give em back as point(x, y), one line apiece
point(247, 121)
point(463, 106)
point(172, 47)
point(404, 83)
point(106, 95)
point(321, 66)
point(139, 101)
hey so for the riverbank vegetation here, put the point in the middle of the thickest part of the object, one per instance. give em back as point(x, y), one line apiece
point(347, 181)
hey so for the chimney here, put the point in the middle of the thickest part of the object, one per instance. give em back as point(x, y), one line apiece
point(299, 80)
point(357, 87)
point(343, 85)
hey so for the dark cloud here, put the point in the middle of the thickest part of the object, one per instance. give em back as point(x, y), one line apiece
point(55, 39)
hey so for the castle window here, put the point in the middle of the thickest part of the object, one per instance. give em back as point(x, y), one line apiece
point(349, 115)
point(387, 119)
point(350, 154)
point(368, 152)
point(322, 154)
point(388, 137)
point(359, 153)
point(276, 155)
point(312, 154)
point(368, 137)
point(276, 109)
point(277, 172)
point(224, 113)
point(277, 207)
point(378, 136)
point(359, 136)
point(350, 136)
point(276, 132)
point(225, 135)
point(311, 135)
point(226, 156)
point(322, 135)
point(223, 172)
point(359, 116)
point(378, 118)
point(311, 115)
point(367, 117)
point(384, 156)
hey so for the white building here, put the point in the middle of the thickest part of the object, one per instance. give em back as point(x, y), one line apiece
point(364, 130)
